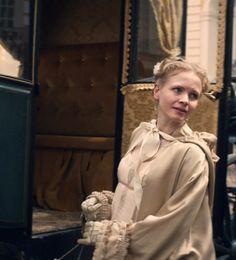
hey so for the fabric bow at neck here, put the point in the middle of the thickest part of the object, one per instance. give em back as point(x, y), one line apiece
point(151, 141)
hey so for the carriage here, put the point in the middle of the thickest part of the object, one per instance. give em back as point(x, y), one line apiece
point(75, 80)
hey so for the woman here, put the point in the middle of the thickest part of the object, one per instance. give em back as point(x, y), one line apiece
point(161, 208)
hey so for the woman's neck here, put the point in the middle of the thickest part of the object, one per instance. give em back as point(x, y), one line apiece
point(168, 127)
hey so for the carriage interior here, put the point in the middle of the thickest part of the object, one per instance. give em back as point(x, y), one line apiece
point(76, 108)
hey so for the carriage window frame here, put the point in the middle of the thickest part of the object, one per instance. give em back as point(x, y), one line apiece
point(18, 46)
point(141, 12)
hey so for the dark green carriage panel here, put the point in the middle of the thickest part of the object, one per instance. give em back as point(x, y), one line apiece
point(15, 153)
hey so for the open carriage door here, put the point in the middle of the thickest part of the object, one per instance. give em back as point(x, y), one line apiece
point(18, 83)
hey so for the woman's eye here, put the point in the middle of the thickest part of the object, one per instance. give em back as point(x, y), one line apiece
point(194, 96)
point(178, 90)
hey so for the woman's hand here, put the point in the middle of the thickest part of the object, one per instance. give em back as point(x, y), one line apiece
point(90, 208)
point(97, 206)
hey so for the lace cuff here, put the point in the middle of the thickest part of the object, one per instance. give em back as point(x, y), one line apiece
point(113, 240)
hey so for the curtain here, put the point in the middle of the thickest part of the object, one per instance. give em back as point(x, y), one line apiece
point(168, 16)
point(63, 178)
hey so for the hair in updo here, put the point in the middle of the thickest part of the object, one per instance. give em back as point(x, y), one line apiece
point(171, 66)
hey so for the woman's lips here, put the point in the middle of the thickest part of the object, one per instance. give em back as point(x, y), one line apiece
point(181, 110)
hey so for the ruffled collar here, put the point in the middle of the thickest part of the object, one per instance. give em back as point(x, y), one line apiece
point(148, 136)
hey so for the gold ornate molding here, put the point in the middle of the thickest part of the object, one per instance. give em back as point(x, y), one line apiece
point(136, 87)
point(127, 38)
point(218, 87)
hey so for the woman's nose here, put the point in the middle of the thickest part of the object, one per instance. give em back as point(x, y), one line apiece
point(184, 99)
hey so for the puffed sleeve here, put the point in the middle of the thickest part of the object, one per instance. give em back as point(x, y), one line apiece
point(158, 235)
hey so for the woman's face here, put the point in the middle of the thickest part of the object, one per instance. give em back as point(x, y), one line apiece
point(178, 97)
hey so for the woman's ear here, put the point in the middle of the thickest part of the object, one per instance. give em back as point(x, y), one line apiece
point(156, 91)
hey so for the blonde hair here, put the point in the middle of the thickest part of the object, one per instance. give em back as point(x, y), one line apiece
point(171, 66)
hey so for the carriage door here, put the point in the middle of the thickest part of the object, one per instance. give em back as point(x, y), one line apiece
point(17, 91)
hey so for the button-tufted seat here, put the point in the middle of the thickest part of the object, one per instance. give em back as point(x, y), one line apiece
point(75, 123)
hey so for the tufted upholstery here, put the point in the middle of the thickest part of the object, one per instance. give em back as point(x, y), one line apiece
point(78, 90)
point(75, 123)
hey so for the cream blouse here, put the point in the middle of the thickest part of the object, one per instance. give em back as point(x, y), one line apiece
point(165, 190)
